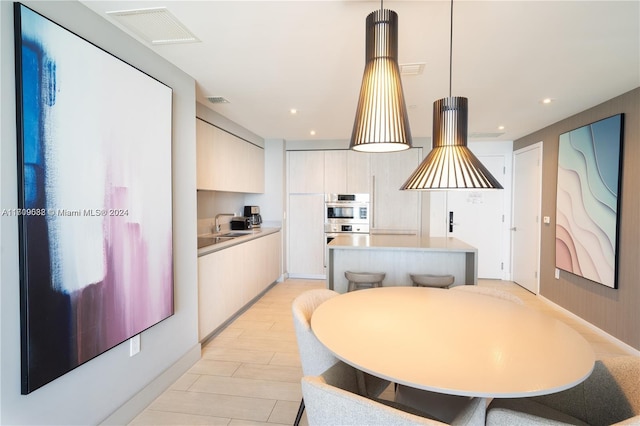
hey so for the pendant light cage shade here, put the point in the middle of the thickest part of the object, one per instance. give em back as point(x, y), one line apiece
point(381, 122)
point(451, 164)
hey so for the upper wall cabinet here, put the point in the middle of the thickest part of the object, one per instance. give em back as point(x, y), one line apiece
point(306, 172)
point(331, 171)
point(227, 163)
point(347, 172)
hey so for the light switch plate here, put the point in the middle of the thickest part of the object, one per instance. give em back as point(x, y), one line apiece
point(546, 220)
point(557, 274)
point(134, 345)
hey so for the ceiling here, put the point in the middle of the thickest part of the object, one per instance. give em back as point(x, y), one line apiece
point(267, 57)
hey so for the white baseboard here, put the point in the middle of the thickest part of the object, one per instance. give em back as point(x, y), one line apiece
point(129, 410)
point(622, 345)
point(308, 276)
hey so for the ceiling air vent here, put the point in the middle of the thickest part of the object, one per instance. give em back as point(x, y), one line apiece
point(217, 100)
point(412, 69)
point(154, 25)
point(485, 135)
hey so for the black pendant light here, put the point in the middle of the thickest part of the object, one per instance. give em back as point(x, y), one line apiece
point(381, 123)
point(451, 164)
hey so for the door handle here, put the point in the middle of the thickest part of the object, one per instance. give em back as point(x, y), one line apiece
point(450, 221)
point(514, 229)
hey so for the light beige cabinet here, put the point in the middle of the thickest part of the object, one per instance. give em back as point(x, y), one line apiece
point(311, 174)
point(358, 172)
point(229, 279)
point(393, 210)
point(227, 163)
point(306, 241)
point(305, 172)
point(335, 172)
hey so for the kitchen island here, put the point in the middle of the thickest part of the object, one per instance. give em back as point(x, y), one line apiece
point(398, 256)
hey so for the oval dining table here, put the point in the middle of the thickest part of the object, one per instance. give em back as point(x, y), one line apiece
point(452, 342)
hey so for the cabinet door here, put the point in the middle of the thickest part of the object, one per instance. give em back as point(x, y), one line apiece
point(221, 161)
point(226, 162)
point(219, 288)
point(394, 210)
point(254, 178)
point(358, 172)
point(204, 154)
point(306, 245)
point(335, 172)
point(306, 172)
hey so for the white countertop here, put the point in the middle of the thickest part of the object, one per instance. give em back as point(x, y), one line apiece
point(453, 342)
point(405, 242)
point(250, 234)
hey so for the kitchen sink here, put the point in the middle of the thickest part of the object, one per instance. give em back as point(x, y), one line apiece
point(236, 234)
point(208, 241)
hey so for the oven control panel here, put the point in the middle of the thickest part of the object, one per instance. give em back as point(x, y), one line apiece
point(351, 228)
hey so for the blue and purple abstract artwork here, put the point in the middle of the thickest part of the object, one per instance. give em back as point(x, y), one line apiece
point(589, 169)
point(96, 247)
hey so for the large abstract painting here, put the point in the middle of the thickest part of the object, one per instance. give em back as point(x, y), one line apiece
point(95, 207)
point(589, 170)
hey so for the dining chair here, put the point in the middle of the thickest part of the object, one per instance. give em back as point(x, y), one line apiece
point(314, 356)
point(609, 396)
point(332, 399)
point(488, 291)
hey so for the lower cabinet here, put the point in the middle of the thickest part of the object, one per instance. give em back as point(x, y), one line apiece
point(230, 278)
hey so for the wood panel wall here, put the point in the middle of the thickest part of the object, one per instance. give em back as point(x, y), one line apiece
point(616, 311)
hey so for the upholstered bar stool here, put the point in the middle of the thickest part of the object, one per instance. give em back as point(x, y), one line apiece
point(359, 280)
point(429, 280)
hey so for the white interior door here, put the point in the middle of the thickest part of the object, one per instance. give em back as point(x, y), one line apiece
point(527, 192)
point(478, 220)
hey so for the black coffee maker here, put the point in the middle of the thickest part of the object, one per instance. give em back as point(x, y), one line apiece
point(253, 213)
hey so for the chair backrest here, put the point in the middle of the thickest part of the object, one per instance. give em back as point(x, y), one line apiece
point(331, 399)
point(314, 356)
point(488, 291)
point(609, 395)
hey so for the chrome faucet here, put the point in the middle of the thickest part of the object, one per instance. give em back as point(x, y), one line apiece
point(218, 222)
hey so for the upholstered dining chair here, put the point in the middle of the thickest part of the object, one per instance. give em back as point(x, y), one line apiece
point(314, 356)
point(609, 396)
point(332, 399)
point(488, 291)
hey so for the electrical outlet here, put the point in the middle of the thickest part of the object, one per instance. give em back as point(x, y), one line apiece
point(557, 274)
point(546, 220)
point(134, 345)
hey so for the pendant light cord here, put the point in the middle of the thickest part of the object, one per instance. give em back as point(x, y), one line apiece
point(451, 49)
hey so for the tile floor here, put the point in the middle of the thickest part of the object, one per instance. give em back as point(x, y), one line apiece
point(250, 373)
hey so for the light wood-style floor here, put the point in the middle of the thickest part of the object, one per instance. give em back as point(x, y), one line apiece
point(250, 373)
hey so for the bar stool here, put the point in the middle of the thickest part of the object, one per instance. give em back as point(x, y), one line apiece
point(358, 280)
point(430, 280)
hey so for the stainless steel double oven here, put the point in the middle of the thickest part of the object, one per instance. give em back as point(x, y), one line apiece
point(345, 214)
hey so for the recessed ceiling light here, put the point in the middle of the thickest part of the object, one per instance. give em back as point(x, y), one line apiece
point(500, 127)
point(312, 133)
point(547, 100)
point(293, 111)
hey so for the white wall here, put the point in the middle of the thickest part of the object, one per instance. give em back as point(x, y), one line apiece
point(94, 391)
